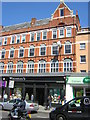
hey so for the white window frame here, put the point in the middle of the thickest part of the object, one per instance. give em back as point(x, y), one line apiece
point(18, 36)
point(31, 47)
point(60, 12)
point(3, 50)
point(5, 40)
point(83, 71)
point(53, 33)
point(55, 68)
point(61, 36)
point(68, 62)
point(19, 52)
point(23, 35)
point(42, 46)
point(54, 44)
point(1, 41)
point(37, 35)
point(10, 52)
point(11, 39)
point(67, 43)
point(42, 68)
point(21, 69)
point(31, 36)
point(80, 58)
point(82, 47)
point(30, 69)
point(68, 35)
point(43, 34)
point(1, 67)
point(11, 69)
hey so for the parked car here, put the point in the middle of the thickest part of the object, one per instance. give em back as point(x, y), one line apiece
point(75, 109)
point(30, 106)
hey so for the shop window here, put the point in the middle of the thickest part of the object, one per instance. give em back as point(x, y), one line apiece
point(10, 67)
point(68, 48)
point(54, 49)
point(43, 50)
point(3, 54)
point(11, 52)
point(21, 52)
point(54, 66)
point(31, 51)
point(68, 65)
point(78, 92)
point(30, 67)
point(54, 33)
point(20, 67)
point(42, 66)
point(1, 67)
point(44, 35)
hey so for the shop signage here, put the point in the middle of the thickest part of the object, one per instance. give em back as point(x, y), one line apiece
point(86, 80)
point(11, 84)
point(74, 80)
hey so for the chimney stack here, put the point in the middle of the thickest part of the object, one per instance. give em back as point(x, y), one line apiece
point(33, 20)
point(1, 27)
point(61, 1)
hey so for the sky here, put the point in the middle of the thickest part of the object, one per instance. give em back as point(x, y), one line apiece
point(19, 12)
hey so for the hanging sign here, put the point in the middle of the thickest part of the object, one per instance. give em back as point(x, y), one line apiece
point(11, 84)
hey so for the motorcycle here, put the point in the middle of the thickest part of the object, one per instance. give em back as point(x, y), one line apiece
point(16, 115)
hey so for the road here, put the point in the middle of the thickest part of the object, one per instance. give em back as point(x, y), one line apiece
point(35, 116)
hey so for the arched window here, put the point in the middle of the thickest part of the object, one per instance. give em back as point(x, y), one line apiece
point(1, 67)
point(54, 49)
point(20, 67)
point(11, 52)
point(42, 50)
point(10, 67)
point(31, 51)
point(30, 67)
point(68, 65)
point(21, 52)
point(68, 48)
point(42, 66)
point(3, 53)
point(54, 65)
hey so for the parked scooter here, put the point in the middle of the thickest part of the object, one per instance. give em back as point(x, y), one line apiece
point(15, 114)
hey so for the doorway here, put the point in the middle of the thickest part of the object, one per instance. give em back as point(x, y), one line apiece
point(40, 95)
point(29, 91)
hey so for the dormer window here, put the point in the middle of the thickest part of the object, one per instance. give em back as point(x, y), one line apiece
point(61, 12)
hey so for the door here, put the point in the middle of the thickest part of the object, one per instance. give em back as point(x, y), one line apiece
point(75, 110)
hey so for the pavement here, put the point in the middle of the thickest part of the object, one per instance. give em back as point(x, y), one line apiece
point(42, 109)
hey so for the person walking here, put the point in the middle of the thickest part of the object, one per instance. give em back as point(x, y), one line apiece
point(32, 97)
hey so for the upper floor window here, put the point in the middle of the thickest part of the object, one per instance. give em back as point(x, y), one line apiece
point(32, 37)
point(61, 32)
point(23, 38)
point(68, 32)
point(10, 67)
point(20, 67)
point(42, 49)
point(54, 65)
point(54, 35)
point(30, 67)
point(61, 12)
point(68, 65)
point(83, 59)
point(42, 66)
point(1, 67)
point(31, 51)
point(3, 54)
point(11, 52)
point(21, 52)
point(18, 39)
point(12, 39)
point(38, 36)
point(54, 49)
point(0, 41)
point(82, 71)
point(5, 41)
point(82, 46)
point(68, 48)
point(44, 35)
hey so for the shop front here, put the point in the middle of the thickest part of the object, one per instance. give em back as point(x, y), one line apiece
point(77, 86)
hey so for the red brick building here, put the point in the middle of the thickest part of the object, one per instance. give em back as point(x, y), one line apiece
point(37, 55)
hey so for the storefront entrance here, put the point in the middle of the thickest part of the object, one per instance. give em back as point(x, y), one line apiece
point(29, 92)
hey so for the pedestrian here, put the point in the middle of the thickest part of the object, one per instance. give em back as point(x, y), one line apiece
point(5, 97)
point(32, 97)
